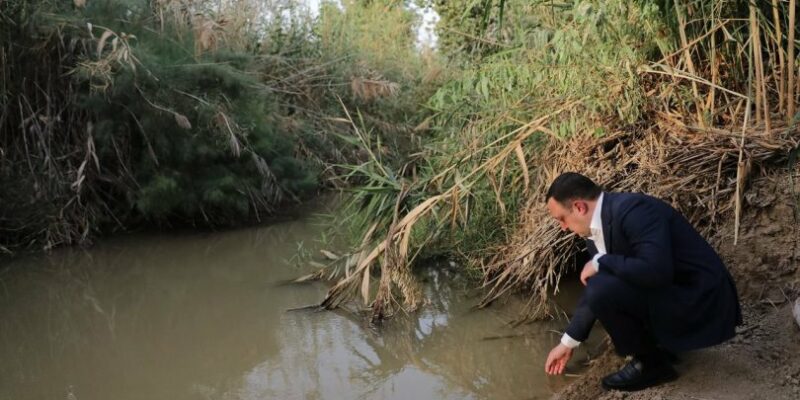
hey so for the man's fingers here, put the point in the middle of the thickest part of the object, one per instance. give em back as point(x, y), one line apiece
point(555, 366)
point(557, 360)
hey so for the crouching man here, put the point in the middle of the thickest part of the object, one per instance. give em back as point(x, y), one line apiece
point(653, 282)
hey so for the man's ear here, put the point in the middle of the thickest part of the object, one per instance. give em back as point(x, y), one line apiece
point(581, 206)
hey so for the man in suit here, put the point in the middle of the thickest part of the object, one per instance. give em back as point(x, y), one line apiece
point(653, 282)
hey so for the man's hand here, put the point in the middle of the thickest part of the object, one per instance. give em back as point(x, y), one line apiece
point(587, 272)
point(557, 359)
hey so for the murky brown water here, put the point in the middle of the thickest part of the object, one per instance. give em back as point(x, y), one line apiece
point(203, 317)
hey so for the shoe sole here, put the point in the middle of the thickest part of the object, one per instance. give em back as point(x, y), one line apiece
point(643, 385)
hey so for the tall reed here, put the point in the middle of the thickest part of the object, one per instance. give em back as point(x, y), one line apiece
point(632, 93)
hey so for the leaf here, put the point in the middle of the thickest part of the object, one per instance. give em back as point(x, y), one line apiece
point(502, 8)
point(523, 165)
point(487, 11)
point(485, 87)
point(102, 42)
point(365, 286)
point(329, 255)
point(468, 9)
point(345, 120)
point(182, 121)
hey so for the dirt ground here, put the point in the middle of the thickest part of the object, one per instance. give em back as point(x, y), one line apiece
point(763, 360)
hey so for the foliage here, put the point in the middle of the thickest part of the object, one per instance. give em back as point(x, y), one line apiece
point(534, 79)
point(135, 112)
point(585, 56)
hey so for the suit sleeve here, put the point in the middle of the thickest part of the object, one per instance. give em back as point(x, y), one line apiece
point(582, 321)
point(582, 317)
point(650, 264)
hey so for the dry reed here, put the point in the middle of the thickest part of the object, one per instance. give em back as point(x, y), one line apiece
point(693, 168)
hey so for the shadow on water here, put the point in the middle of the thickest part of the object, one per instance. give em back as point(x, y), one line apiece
point(202, 317)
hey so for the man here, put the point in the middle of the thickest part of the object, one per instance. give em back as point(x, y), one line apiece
point(653, 282)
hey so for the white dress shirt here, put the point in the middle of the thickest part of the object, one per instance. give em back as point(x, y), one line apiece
point(596, 230)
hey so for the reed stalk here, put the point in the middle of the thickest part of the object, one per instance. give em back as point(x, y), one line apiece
point(712, 91)
point(754, 61)
point(687, 56)
point(762, 99)
point(790, 92)
point(780, 73)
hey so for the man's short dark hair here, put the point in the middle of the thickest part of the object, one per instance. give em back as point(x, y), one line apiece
point(572, 185)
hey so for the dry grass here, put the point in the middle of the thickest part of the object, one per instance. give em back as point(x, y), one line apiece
point(394, 254)
point(370, 89)
point(113, 52)
point(695, 169)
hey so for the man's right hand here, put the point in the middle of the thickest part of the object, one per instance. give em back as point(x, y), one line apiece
point(587, 272)
point(557, 359)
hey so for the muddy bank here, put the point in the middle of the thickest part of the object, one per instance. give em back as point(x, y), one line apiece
point(763, 360)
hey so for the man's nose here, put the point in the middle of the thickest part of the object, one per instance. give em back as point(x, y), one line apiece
point(563, 226)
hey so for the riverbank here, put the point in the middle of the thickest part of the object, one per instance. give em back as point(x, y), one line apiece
point(763, 360)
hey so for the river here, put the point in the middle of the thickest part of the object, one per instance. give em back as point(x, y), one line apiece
point(204, 316)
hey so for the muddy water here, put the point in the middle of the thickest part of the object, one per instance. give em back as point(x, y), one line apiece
point(204, 317)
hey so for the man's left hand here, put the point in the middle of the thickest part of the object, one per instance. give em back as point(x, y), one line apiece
point(588, 272)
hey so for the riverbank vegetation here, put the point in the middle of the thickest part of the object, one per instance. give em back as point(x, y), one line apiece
point(687, 100)
point(118, 114)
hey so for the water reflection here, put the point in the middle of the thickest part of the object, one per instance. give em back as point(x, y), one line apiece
point(201, 317)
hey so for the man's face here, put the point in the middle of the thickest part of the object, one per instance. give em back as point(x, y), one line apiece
point(576, 217)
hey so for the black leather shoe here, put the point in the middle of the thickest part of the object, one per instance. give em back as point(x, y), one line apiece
point(637, 375)
point(670, 356)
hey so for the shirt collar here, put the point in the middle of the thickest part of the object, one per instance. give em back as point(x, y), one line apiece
point(597, 224)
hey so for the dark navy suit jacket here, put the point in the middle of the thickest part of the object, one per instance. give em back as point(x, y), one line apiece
point(690, 295)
